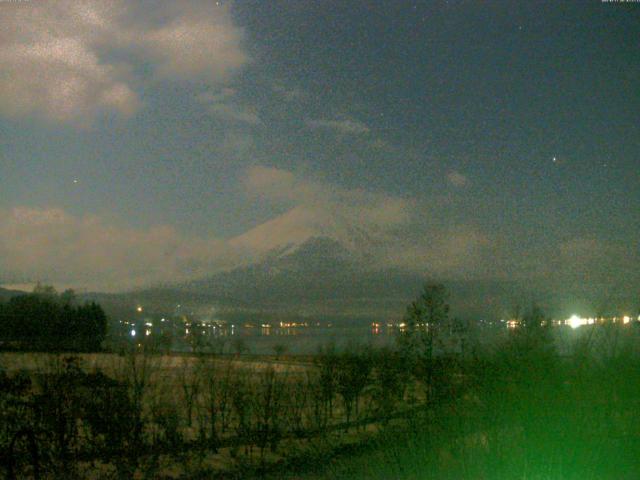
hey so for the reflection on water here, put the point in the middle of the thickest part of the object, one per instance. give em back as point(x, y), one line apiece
point(302, 339)
point(182, 333)
point(308, 340)
point(185, 331)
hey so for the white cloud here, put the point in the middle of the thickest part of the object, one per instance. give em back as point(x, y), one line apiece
point(51, 245)
point(62, 80)
point(359, 219)
point(224, 106)
point(289, 94)
point(272, 182)
point(67, 60)
point(227, 111)
point(294, 226)
point(201, 42)
point(396, 231)
point(457, 179)
point(343, 126)
point(446, 250)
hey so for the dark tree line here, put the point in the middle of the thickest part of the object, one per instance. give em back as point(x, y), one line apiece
point(47, 321)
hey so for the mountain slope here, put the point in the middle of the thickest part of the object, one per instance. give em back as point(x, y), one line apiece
point(318, 269)
point(321, 276)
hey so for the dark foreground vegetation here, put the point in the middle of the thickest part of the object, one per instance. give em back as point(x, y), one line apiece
point(432, 407)
point(47, 321)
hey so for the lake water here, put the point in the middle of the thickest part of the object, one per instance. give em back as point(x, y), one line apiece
point(301, 341)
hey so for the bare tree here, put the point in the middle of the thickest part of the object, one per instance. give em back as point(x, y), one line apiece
point(279, 349)
point(212, 384)
point(136, 371)
point(298, 393)
point(268, 397)
point(391, 377)
point(190, 385)
point(352, 375)
point(325, 362)
point(318, 416)
point(241, 395)
point(224, 396)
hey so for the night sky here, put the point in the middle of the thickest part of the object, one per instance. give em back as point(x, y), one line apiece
point(146, 142)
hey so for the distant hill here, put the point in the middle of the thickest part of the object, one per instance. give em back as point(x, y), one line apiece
point(6, 294)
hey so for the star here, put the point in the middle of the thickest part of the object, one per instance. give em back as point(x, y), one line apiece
point(554, 159)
